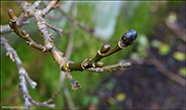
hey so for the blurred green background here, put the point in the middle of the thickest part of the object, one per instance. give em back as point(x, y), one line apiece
point(109, 20)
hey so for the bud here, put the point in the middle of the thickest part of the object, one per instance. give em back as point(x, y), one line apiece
point(24, 32)
point(128, 38)
point(12, 15)
point(99, 64)
point(105, 48)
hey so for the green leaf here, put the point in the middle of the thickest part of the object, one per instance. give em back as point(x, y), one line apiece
point(86, 100)
point(121, 97)
point(180, 56)
point(164, 49)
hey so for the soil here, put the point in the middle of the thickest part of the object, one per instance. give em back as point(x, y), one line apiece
point(145, 88)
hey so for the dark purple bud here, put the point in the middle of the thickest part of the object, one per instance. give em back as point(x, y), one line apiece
point(128, 38)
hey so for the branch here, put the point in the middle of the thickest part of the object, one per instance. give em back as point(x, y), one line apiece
point(173, 26)
point(53, 4)
point(111, 67)
point(23, 75)
point(22, 20)
point(14, 57)
point(36, 4)
point(62, 74)
point(46, 35)
point(128, 38)
point(66, 91)
point(23, 34)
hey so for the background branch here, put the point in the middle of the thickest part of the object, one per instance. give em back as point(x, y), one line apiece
point(81, 25)
point(165, 71)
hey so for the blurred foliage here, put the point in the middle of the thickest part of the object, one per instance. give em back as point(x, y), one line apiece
point(182, 71)
point(45, 71)
point(164, 49)
point(180, 56)
point(120, 97)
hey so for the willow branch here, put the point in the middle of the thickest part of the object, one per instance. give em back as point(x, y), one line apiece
point(66, 65)
point(30, 11)
point(23, 75)
point(14, 57)
point(23, 34)
point(22, 20)
point(38, 15)
point(128, 38)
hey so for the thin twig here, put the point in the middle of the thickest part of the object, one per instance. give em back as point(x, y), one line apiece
point(53, 4)
point(70, 44)
point(22, 20)
point(15, 58)
point(159, 66)
point(111, 67)
point(23, 34)
point(36, 4)
point(62, 74)
point(173, 26)
point(81, 25)
point(53, 97)
point(22, 82)
point(66, 91)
